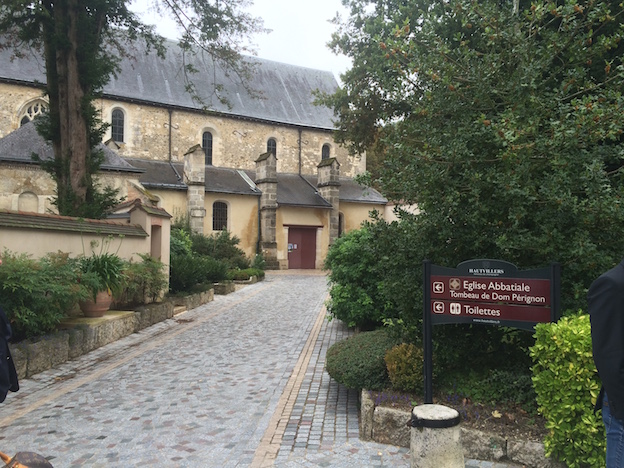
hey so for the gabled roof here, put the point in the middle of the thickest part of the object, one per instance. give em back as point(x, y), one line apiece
point(19, 146)
point(287, 90)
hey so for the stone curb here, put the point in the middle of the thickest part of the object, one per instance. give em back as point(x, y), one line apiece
point(79, 335)
point(389, 426)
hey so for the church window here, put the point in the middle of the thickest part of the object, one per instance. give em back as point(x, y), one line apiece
point(272, 146)
point(207, 145)
point(325, 152)
point(219, 216)
point(33, 110)
point(117, 125)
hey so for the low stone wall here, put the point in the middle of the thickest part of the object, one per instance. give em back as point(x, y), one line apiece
point(227, 287)
point(194, 300)
point(79, 335)
point(389, 426)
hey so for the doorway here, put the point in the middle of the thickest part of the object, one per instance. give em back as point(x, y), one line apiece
point(301, 248)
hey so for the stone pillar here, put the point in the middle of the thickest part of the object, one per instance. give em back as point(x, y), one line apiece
point(435, 438)
point(266, 181)
point(329, 188)
point(195, 179)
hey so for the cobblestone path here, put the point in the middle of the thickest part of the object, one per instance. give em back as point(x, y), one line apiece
point(234, 383)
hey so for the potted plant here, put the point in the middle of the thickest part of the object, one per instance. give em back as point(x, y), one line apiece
point(103, 275)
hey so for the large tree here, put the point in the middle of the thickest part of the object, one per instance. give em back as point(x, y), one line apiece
point(82, 42)
point(502, 120)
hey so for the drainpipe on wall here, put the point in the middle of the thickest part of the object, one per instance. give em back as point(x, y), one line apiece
point(300, 151)
point(170, 143)
point(258, 250)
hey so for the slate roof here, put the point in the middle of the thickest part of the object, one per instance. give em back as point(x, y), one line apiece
point(165, 175)
point(19, 145)
point(351, 191)
point(287, 90)
point(295, 190)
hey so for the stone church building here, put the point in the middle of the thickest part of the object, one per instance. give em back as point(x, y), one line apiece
point(258, 161)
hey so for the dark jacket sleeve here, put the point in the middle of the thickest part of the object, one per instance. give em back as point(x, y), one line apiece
point(606, 308)
point(8, 375)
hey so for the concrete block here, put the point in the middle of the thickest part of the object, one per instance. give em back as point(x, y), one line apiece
point(47, 352)
point(483, 446)
point(390, 426)
point(367, 408)
point(530, 454)
point(20, 359)
point(76, 342)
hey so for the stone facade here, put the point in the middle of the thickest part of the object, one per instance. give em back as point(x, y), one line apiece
point(153, 132)
point(329, 189)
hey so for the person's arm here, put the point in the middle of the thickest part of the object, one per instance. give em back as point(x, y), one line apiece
point(606, 309)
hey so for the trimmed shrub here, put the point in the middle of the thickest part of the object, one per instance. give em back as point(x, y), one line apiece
point(221, 246)
point(187, 272)
point(405, 367)
point(358, 362)
point(242, 275)
point(567, 386)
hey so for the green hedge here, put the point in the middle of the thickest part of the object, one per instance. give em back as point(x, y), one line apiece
point(358, 362)
point(567, 385)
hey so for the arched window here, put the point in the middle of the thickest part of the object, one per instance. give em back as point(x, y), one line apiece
point(272, 146)
point(207, 145)
point(219, 216)
point(325, 151)
point(33, 110)
point(117, 125)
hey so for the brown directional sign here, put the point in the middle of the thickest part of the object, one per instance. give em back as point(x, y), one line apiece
point(522, 291)
point(487, 313)
point(488, 292)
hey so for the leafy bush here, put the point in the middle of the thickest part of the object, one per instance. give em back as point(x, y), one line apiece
point(221, 246)
point(37, 294)
point(358, 362)
point(187, 271)
point(258, 262)
point(211, 270)
point(567, 386)
point(180, 242)
point(146, 281)
point(405, 367)
point(354, 295)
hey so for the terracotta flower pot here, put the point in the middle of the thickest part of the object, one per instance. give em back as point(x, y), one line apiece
point(98, 308)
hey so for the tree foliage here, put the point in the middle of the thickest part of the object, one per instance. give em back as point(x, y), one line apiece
point(502, 121)
point(81, 43)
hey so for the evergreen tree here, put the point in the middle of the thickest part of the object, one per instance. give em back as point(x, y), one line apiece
point(81, 42)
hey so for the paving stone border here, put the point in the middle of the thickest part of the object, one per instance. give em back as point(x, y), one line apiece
point(389, 426)
point(79, 335)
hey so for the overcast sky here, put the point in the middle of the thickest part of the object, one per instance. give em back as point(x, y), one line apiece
point(300, 31)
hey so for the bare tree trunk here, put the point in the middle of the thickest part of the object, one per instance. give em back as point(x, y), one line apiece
point(70, 132)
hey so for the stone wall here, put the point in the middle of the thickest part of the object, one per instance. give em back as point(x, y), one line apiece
point(236, 142)
point(79, 335)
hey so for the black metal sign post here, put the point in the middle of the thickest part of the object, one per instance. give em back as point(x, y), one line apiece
point(487, 292)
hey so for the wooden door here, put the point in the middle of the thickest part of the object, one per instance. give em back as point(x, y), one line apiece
point(301, 248)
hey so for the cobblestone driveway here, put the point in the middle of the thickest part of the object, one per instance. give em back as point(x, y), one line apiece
point(237, 382)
